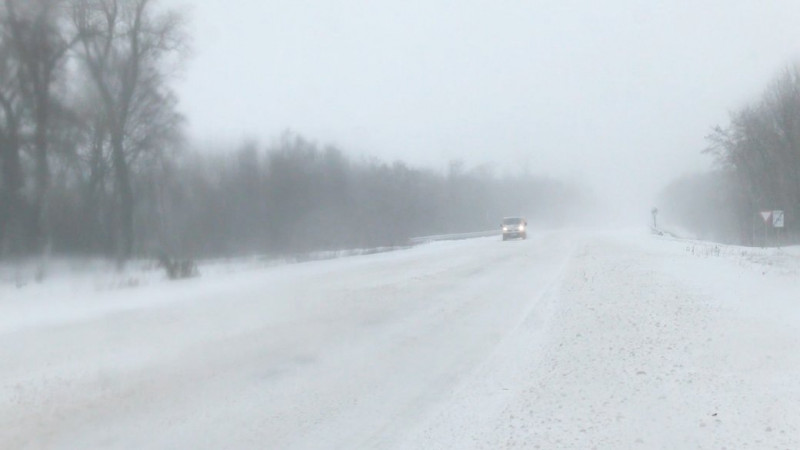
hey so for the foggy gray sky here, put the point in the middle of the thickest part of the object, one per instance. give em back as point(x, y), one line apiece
point(617, 93)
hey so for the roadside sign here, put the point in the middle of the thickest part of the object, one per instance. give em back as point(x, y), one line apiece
point(766, 215)
point(777, 219)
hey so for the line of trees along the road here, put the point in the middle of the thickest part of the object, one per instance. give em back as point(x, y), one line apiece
point(85, 108)
point(295, 195)
point(758, 169)
point(92, 159)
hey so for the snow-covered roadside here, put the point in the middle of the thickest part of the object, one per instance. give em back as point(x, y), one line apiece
point(568, 340)
point(76, 288)
point(104, 274)
point(654, 344)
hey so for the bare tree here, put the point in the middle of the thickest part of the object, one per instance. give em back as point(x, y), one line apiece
point(39, 41)
point(126, 46)
point(11, 206)
point(761, 149)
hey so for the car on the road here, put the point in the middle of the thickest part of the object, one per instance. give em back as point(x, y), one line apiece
point(514, 227)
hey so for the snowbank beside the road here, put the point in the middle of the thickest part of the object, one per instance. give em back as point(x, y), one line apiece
point(655, 343)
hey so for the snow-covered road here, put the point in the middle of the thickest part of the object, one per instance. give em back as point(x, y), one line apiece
point(567, 340)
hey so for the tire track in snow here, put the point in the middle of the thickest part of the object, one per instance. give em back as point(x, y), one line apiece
point(480, 398)
point(334, 354)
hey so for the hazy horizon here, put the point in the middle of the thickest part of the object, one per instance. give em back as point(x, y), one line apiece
point(618, 96)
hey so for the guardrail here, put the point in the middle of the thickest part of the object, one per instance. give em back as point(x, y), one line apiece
point(663, 232)
point(453, 236)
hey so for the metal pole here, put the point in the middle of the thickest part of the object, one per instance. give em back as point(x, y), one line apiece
point(766, 236)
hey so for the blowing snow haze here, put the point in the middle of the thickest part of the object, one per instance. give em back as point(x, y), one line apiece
point(364, 235)
point(617, 95)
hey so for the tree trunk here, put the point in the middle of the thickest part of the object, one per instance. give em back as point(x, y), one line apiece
point(42, 177)
point(94, 233)
point(125, 193)
point(11, 238)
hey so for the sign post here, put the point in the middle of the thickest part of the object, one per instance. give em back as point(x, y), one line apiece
point(777, 218)
point(767, 217)
point(774, 219)
point(777, 223)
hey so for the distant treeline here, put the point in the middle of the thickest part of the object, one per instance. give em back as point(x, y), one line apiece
point(296, 196)
point(92, 159)
point(758, 169)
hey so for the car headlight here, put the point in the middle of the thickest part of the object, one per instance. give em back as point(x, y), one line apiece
point(522, 228)
point(505, 228)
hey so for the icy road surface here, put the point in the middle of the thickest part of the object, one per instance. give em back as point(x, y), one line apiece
point(567, 340)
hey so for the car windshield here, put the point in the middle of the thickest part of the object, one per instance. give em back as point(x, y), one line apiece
point(512, 221)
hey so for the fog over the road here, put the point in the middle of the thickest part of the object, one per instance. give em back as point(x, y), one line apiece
point(617, 94)
point(289, 223)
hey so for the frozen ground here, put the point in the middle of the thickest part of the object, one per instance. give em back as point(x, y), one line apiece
point(568, 340)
